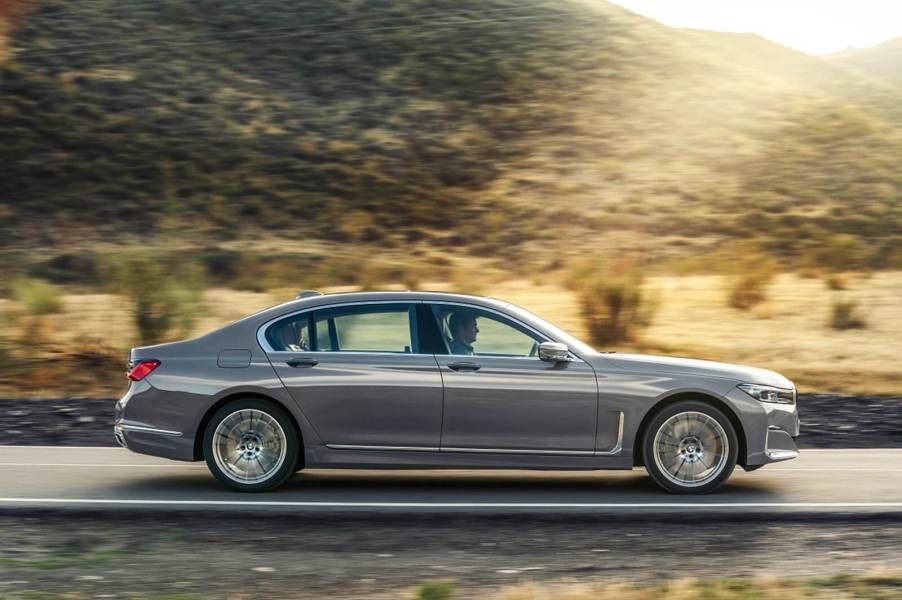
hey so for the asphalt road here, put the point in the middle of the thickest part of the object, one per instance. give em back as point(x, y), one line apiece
point(820, 481)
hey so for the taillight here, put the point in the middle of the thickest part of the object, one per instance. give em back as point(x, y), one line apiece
point(142, 369)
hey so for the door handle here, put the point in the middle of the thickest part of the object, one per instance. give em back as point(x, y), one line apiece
point(301, 362)
point(464, 366)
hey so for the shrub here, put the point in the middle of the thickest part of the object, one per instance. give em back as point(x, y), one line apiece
point(38, 297)
point(164, 294)
point(844, 315)
point(836, 282)
point(748, 287)
point(614, 305)
point(78, 268)
point(436, 590)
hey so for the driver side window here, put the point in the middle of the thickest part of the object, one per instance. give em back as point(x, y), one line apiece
point(470, 331)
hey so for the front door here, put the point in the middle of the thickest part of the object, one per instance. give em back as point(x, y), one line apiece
point(501, 398)
point(358, 377)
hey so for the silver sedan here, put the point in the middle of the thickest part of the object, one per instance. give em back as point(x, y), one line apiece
point(397, 380)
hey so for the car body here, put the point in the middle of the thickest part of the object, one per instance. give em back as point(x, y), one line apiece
point(367, 380)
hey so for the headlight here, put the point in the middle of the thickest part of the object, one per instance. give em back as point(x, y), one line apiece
point(766, 393)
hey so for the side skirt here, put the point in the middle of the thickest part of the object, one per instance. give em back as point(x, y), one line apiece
point(324, 457)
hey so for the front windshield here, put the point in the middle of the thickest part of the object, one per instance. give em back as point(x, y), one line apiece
point(555, 331)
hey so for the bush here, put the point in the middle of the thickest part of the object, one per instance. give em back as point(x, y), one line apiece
point(844, 315)
point(164, 294)
point(436, 590)
point(613, 305)
point(748, 287)
point(38, 297)
point(836, 282)
point(78, 268)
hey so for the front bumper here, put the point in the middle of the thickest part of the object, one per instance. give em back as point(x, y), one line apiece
point(770, 429)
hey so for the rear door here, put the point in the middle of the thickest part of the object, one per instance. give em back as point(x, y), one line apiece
point(358, 375)
point(501, 398)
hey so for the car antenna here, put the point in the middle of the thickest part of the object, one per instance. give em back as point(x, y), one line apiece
point(307, 294)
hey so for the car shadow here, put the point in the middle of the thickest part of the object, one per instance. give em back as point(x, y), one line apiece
point(450, 486)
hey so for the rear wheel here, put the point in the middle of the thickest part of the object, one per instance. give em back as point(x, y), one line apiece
point(690, 448)
point(251, 445)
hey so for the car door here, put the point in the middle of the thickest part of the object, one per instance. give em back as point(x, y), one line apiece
point(500, 397)
point(358, 376)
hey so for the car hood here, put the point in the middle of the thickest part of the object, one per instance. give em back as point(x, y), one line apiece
point(689, 366)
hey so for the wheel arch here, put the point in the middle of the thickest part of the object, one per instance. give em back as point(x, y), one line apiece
point(205, 420)
point(710, 399)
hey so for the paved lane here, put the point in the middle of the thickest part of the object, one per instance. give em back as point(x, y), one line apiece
point(828, 481)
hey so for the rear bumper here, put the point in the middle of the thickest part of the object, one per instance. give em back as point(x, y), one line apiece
point(147, 438)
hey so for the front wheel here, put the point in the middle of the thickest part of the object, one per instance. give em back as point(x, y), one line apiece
point(690, 448)
point(251, 445)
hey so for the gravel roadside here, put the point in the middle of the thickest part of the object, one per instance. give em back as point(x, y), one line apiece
point(94, 554)
point(828, 421)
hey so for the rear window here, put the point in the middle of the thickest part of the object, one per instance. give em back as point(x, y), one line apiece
point(364, 328)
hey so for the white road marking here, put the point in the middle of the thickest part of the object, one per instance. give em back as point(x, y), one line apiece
point(121, 449)
point(201, 465)
point(288, 503)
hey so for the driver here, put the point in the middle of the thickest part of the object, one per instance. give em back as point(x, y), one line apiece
point(462, 325)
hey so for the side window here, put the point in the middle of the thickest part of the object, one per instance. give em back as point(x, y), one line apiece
point(368, 328)
point(470, 331)
point(291, 334)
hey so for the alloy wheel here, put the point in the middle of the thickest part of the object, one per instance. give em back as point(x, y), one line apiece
point(249, 446)
point(691, 449)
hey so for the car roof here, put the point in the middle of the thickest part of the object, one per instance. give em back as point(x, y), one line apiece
point(401, 296)
point(313, 301)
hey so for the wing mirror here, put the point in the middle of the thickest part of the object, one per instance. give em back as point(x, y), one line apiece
point(554, 352)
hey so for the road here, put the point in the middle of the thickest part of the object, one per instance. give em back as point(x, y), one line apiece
point(820, 481)
point(92, 520)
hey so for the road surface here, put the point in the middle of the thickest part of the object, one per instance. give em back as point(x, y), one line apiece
point(820, 481)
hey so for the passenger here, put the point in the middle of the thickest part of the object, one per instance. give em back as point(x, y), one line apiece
point(289, 337)
point(462, 325)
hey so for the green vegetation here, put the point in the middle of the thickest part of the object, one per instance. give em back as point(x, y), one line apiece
point(163, 295)
point(436, 590)
point(37, 297)
point(496, 127)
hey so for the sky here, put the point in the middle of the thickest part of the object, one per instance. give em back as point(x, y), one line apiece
point(812, 26)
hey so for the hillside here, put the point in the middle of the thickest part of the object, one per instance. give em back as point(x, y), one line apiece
point(488, 124)
point(881, 62)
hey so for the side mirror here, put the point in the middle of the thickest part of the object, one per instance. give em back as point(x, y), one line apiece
point(554, 352)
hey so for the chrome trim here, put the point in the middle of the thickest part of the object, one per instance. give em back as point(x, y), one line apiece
point(264, 343)
point(399, 448)
point(342, 352)
point(619, 445)
point(519, 451)
point(470, 450)
point(778, 455)
point(153, 430)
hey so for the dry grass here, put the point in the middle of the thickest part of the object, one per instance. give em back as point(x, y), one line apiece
point(875, 585)
point(789, 332)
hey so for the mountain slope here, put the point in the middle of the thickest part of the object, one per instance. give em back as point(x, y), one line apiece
point(498, 121)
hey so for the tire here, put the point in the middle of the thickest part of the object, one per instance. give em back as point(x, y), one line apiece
point(690, 448)
point(251, 445)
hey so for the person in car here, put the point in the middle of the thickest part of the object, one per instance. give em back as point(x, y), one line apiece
point(291, 342)
point(463, 329)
